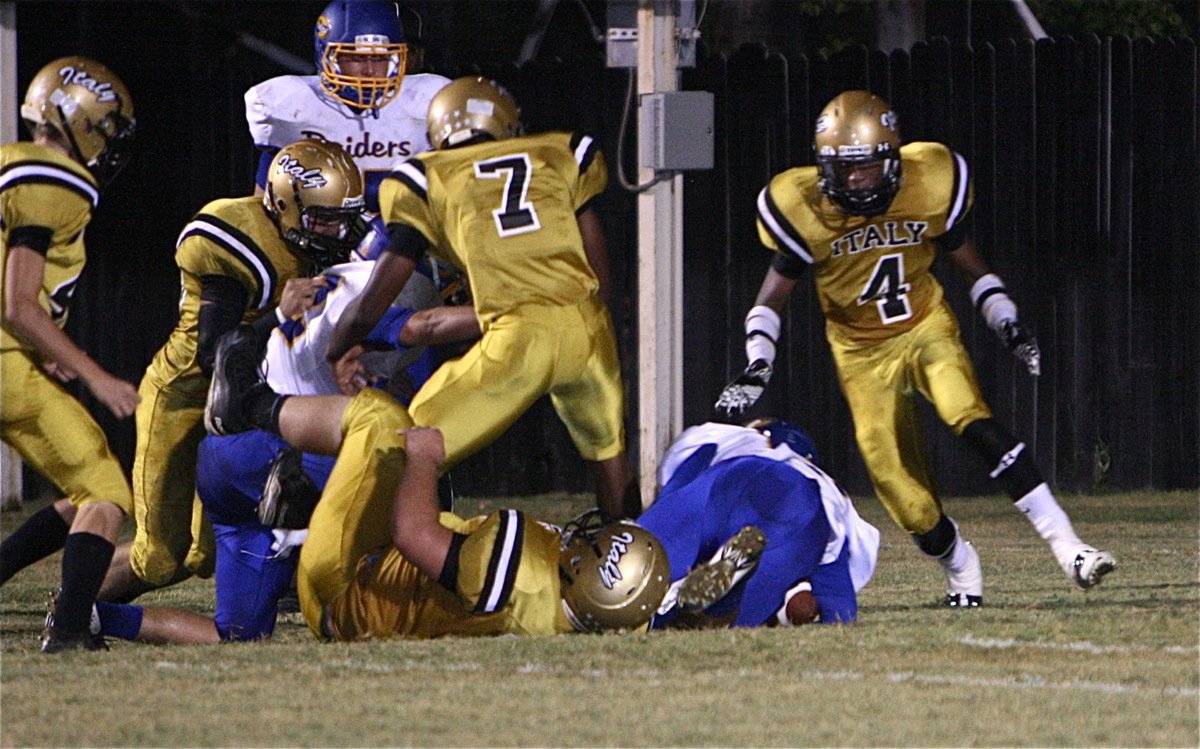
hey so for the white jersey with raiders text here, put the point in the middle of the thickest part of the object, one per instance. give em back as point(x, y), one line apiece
point(292, 107)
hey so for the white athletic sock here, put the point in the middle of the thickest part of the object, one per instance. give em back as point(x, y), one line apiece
point(958, 556)
point(1051, 523)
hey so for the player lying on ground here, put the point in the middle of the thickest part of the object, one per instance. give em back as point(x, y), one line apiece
point(719, 478)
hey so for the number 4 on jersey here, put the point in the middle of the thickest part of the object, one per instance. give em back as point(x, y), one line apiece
point(516, 215)
point(888, 290)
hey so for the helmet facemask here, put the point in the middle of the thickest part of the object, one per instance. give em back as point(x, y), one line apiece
point(363, 91)
point(328, 235)
point(871, 200)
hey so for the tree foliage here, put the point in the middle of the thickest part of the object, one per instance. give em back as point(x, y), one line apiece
point(1109, 17)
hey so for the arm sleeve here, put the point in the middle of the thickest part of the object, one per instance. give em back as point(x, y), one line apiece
point(788, 266)
point(449, 578)
point(406, 241)
point(222, 304)
point(36, 238)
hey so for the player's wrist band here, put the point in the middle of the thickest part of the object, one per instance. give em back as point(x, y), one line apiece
point(990, 298)
point(762, 331)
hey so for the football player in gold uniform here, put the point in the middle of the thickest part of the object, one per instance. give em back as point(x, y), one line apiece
point(81, 117)
point(869, 219)
point(239, 259)
point(381, 560)
point(514, 213)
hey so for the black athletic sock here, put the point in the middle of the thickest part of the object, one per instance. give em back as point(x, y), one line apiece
point(262, 405)
point(939, 541)
point(86, 557)
point(41, 535)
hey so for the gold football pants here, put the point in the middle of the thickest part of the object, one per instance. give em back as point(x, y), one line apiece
point(879, 381)
point(568, 352)
point(172, 532)
point(56, 436)
point(353, 517)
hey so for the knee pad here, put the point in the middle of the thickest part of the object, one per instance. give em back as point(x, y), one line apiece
point(1007, 459)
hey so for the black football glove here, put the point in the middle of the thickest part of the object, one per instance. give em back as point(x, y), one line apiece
point(745, 389)
point(1023, 346)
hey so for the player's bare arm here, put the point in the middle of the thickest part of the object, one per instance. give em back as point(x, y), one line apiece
point(431, 327)
point(991, 299)
point(22, 282)
point(596, 248)
point(763, 326)
point(416, 531)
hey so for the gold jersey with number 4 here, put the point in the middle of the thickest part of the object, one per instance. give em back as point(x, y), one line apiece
point(872, 272)
point(498, 211)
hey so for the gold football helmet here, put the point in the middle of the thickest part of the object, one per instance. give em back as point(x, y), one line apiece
point(614, 574)
point(856, 130)
point(472, 106)
point(314, 192)
point(88, 106)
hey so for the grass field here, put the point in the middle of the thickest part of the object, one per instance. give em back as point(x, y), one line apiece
point(1043, 664)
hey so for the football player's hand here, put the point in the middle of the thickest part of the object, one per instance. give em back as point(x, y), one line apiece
point(745, 389)
point(350, 374)
point(116, 394)
point(1022, 345)
point(299, 294)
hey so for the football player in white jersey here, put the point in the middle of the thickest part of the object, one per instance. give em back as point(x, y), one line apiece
point(360, 98)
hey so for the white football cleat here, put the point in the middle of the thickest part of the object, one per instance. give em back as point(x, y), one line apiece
point(964, 589)
point(1089, 567)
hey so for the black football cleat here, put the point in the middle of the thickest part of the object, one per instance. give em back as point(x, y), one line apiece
point(56, 640)
point(235, 372)
point(289, 496)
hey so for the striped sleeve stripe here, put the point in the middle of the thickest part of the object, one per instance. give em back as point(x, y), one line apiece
point(779, 227)
point(585, 149)
point(37, 172)
point(241, 247)
point(412, 173)
point(962, 181)
point(506, 559)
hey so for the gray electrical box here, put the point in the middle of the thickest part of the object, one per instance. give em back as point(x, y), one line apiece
point(677, 130)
